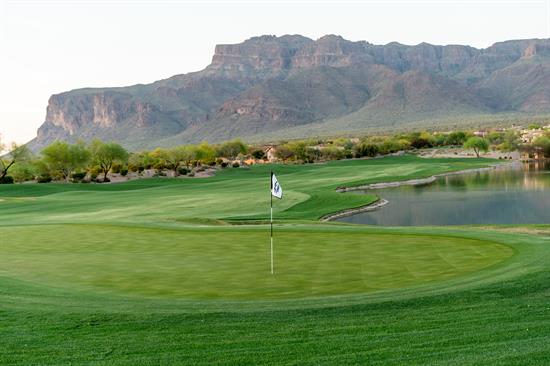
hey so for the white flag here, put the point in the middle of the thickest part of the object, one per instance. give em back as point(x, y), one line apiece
point(276, 189)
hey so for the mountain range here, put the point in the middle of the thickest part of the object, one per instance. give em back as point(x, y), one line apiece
point(270, 87)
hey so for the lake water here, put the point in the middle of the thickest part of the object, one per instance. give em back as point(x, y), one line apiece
point(511, 195)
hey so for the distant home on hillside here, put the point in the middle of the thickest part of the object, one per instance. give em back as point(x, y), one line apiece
point(271, 152)
point(527, 136)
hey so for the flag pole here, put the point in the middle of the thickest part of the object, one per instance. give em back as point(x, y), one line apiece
point(271, 221)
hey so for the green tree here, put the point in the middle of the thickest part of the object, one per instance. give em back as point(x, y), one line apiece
point(205, 153)
point(232, 149)
point(478, 144)
point(138, 162)
point(284, 153)
point(495, 137)
point(189, 154)
point(174, 157)
point(17, 154)
point(542, 144)
point(105, 154)
point(42, 171)
point(299, 150)
point(455, 138)
point(63, 158)
point(510, 141)
point(23, 172)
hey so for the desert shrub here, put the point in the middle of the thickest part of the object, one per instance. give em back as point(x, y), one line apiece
point(348, 153)
point(223, 165)
point(7, 180)
point(44, 178)
point(159, 166)
point(124, 172)
point(420, 140)
point(366, 149)
point(455, 138)
point(258, 154)
point(332, 153)
point(77, 177)
point(183, 171)
point(284, 153)
point(116, 168)
point(235, 165)
point(94, 172)
point(440, 140)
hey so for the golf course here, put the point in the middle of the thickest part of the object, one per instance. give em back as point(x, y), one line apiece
point(163, 270)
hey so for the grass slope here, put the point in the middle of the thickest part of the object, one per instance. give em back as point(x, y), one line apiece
point(237, 194)
point(495, 316)
point(149, 273)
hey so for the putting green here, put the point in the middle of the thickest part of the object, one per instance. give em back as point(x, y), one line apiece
point(233, 263)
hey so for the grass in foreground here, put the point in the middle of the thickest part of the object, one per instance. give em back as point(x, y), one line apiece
point(497, 315)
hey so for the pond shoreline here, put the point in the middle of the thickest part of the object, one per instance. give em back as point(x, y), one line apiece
point(411, 182)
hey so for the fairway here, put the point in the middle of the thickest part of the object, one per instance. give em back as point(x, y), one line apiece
point(233, 264)
point(176, 271)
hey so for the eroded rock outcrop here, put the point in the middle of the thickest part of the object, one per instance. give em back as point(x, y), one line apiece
point(270, 82)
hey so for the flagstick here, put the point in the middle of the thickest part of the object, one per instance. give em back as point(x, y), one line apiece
point(271, 222)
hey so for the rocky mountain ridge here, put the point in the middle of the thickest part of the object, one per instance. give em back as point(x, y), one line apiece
point(269, 83)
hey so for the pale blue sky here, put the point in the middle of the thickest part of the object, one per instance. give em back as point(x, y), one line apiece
point(54, 46)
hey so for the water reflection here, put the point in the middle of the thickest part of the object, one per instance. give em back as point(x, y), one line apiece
point(518, 194)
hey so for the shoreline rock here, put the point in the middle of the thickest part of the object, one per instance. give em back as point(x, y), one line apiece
point(352, 211)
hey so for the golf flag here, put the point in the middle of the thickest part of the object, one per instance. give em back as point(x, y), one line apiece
point(276, 189)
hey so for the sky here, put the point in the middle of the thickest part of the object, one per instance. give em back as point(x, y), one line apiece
point(51, 46)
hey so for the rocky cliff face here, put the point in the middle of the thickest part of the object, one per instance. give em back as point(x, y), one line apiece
point(268, 82)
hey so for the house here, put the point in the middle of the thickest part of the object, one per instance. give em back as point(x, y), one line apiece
point(270, 152)
point(527, 136)
point(480, 133)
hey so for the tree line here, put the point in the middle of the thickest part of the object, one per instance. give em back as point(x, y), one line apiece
point(81, 162)
point(87, 162)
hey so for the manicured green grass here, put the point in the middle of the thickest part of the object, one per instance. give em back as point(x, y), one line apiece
point(234, 263)
point(150, 272)
point(238, 194)
point(497, 315)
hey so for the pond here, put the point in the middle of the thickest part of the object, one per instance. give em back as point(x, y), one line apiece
point(514, 194)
